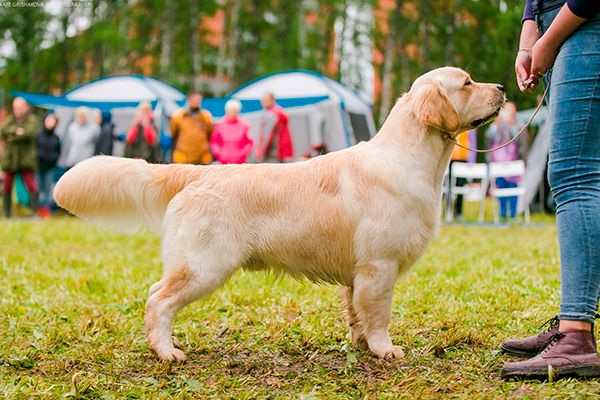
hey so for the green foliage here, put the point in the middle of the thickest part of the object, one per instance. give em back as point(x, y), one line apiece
point(170, 39)
point(72, 301)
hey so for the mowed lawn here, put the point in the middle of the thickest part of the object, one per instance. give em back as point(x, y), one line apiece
point(72, 301)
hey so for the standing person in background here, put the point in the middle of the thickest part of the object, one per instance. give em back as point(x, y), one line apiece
point(79, 142)
point(458, 155)
point(275, 139)
point(566, 38)
point(230, 142)
point(104, 145)
point(190, 129)
point(504, 128)
point(17, 135)
point(142, 138)
point(48, 151)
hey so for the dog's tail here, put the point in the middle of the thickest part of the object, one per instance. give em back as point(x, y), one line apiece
point(121, 193)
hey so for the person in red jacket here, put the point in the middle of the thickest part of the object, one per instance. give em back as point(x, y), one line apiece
point(274, 139)
point(142, 138)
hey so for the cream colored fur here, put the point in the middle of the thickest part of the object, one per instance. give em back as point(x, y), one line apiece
point(356, 217)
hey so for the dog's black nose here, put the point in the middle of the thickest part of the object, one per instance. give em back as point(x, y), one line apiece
point(501, 88)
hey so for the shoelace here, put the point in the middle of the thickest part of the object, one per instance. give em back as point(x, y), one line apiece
point(552, 341)
point(553, 323)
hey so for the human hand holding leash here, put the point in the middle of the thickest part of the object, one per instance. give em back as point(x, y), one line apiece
point(529, 36)
point(538, 52)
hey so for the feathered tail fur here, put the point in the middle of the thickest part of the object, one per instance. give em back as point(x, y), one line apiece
point(121, 193)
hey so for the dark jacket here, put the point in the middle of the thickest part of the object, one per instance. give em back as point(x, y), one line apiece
point(19, 144)
point(104, 145)
point(47, 146)
point(142, 143)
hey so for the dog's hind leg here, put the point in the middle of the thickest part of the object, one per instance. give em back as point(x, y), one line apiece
point(196, 263)
point(358, 341)
point(154, 288)
point(372, 301)
point(179, 288)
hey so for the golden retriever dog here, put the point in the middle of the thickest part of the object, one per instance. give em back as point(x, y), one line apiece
point(357, 217)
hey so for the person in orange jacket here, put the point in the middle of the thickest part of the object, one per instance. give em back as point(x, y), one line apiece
point(190, 129)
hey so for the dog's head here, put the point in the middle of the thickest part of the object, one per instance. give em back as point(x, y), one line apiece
point(448, 99)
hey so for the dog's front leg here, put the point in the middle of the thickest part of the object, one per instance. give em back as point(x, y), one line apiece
point(372, 301)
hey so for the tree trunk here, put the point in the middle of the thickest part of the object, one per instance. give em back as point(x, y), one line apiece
point(196, 56)
point(166, 39)
point(223, 47)
point(64, 52)
point(425, 14)
point(328, 36)
point(392, 42)
point(233, 40)
point(302, 35)
point(342, 43)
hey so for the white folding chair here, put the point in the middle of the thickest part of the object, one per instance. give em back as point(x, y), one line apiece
point(471, 191)
point(508, 169)
point(445, 184)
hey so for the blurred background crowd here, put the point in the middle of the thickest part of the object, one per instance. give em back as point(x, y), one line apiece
point(264, 81)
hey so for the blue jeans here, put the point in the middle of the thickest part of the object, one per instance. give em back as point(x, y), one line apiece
point(507, 202)
point(574, 165)
point(46, 184)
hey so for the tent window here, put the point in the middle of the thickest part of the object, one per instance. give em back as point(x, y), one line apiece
point(360, 127)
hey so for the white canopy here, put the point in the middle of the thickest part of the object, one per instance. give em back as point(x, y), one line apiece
point(342, 120)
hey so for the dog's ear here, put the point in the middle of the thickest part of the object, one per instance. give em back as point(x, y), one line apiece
point(433, 108)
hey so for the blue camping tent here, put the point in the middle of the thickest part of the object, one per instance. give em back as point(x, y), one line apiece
point(322, 111)
point(121, 94)
point(341, 119)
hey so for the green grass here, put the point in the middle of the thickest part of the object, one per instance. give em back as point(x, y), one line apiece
point(72, 301)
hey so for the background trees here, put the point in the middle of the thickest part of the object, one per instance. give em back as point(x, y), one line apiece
point(214, 45)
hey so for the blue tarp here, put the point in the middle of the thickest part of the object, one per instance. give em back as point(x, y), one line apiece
point(216, 106)
point(47, 101)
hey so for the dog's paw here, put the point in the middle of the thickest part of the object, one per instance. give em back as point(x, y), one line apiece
point(177, 343)
point(359, 342)
point(395, 352)
point(173, 355)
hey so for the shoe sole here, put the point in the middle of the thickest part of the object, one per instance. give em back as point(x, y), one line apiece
point(578, 372)
point(519, 353)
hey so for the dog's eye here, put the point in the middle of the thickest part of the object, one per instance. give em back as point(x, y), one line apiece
point(468, 82)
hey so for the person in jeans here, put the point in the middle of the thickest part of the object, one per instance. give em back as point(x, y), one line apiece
point(504, 128)
point(566, 37)
point(48, 150)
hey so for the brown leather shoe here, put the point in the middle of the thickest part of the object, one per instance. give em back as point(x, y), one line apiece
point(531, 345)
point(566, 354)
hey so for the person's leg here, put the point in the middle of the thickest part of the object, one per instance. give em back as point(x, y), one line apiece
point(574, 176)
point(7, 185)
point(458, 206)
point(501, 184)
point(574, 173)
point(32, 188)
point(512, 201)
point(43, 186)
point(449, 195)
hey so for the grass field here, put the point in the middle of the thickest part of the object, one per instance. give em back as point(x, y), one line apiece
point(72, 301)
